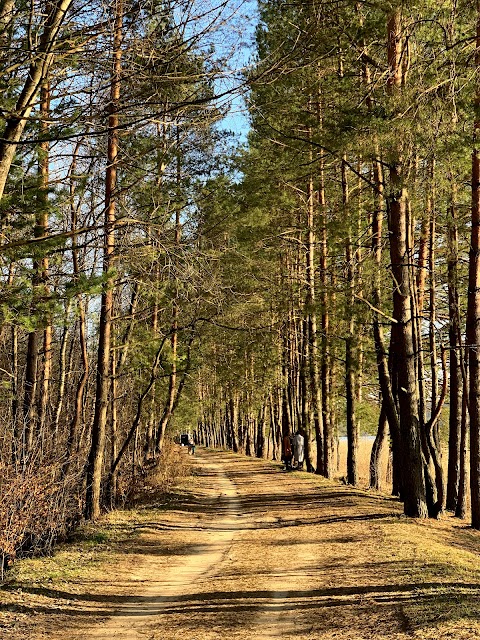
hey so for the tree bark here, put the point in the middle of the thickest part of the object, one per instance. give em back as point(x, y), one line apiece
point(413, 485)
point(461, 507)
point(325, 463)
point(350, 346)
point(97, 448)
point(473, 304)
point(43, 266)
point(388, 399)
point(377, 448)
point(455, 370)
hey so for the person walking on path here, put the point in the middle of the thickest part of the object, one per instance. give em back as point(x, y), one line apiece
point(287, 452)
point(299, 450)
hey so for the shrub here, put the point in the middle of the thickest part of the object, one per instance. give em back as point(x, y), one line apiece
point(39, 505)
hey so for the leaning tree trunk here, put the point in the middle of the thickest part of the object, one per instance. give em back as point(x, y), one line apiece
point(377, 449)
point(39, 68)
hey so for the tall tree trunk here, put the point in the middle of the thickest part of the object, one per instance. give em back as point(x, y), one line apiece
point(172, 383)
point(73, 439)
point(413, 485)
point(433, 311)
point(456, 386)
point(35, 403)
point(388, 400)
point(313, 351)
point(473, 304)
point(432, 426)
point(325, 463)
point(350, 350)
point(412, 478)
point(35, 415)
point(97, 448)
point(418, 302)
point(42, 229)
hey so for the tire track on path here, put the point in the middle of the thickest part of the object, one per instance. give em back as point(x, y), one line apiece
point(136, 619)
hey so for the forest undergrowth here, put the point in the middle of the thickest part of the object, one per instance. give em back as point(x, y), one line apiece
point(41, 509)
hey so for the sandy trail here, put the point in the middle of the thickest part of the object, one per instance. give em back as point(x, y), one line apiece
point(137, 619)
point(261, 564)
point(251, 552)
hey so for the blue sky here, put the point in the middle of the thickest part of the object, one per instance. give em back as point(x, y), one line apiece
point(242, 30)
point(229, 27)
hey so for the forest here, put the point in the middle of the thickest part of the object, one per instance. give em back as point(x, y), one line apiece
point(159, 274)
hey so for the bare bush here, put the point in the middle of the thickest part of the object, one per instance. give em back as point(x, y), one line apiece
point(160, 478)
point(38, 506)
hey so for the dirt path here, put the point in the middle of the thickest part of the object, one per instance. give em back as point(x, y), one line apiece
point(165, 584)
point(254, 552)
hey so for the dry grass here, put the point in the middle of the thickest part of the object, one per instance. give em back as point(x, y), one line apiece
point(438, 562)
point(364, 452)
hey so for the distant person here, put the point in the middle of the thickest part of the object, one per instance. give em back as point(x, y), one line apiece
point(191, 445)
point(287, 452)
point(298, 450)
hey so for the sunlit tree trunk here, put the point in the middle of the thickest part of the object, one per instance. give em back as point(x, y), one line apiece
point(172, 381)
point(37, 378)
point(311, 310)
point(97, 448)
point(461, 507)
point(388, 414)
point(41, 230)
point(456, 386)
point(325, 463)
point(413, 485)
point(350, 341)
